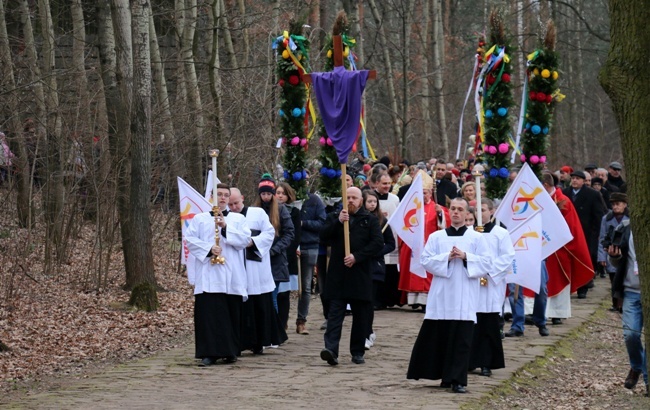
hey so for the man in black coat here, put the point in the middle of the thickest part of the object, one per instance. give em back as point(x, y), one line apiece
point(591, 208)
point(349, 278)
point(444, 187)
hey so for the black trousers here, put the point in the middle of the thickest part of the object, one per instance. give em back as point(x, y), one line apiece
point(321, 264)
point(217, 319)
point(361, 311)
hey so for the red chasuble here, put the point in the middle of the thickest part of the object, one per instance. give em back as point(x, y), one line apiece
point(408, 281)
point(571, 264)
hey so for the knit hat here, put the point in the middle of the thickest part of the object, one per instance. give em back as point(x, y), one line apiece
point(566, 169)
point(267, 184)
point(596, 180)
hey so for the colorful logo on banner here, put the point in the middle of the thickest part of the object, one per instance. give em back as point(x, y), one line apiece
point(521, 244)
point(524, 204)
point(411, 214)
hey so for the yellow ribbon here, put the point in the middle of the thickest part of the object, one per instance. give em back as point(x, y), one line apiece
point(310, 104)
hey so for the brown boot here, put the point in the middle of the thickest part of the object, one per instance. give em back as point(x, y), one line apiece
point(300, 329)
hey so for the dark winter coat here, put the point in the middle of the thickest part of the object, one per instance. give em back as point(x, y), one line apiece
point(590, 208)
point(312, 216)
point(620, 263)
point(366, 241)
point(292, 258)
point(279, 262)
point(378, 265)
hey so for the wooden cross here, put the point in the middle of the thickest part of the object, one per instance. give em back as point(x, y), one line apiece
point(306, 78)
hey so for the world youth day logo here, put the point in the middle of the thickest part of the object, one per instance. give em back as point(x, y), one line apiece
point(521, 244)
point(190, 209)
point(524, 204)
point(410, 216)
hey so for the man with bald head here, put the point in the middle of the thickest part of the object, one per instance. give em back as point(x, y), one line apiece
point(349, 280)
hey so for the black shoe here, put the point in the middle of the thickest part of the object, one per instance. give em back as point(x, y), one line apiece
point(445, 385)
point(543, 331)
point(358, 360)
point(582, 295)
point(507, 317)
point(591, 284)
point(329, 357)
point(207, 361)
point(556, 321)
point(485, 371)
point(514, 333)
point(528, 320)
point(632, 379)
point(230, 359)
point(458, 388)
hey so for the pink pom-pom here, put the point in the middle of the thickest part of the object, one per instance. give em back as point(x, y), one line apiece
point(303, 142)
point(504, 148)
point(486, 149)
point(322, 141)
point(534, 159)
point(329, 142)
point(542, 159)
point(295, 141)
point(493, 149)
point(522, 158)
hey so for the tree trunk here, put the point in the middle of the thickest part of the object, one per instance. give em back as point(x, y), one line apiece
point(54, 191)
point(142, 279)
point(390, 79)
point(213, 71)
point(580, 90)
point(406, 67)
point(20, 162)
point(195, 173)
point(174, 159)
point(84, 131)
point(438, 48)
point(626, 79)
point(227, 38)
point(120, 143)
point(427, 129)
point(244, 23)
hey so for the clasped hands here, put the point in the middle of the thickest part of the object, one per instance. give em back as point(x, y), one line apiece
point(457, 254)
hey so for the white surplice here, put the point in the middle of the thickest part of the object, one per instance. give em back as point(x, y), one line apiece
point(502, 253)
point(454, 288)
point(229, 278)
point(259, 278)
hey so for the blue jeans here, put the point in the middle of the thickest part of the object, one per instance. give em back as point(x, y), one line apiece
point(308, 259)
point(632, 328)
point(539, 308)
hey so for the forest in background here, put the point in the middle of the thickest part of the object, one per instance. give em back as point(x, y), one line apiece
point(104, 103)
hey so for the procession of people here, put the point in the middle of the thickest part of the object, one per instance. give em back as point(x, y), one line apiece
point(462, 293)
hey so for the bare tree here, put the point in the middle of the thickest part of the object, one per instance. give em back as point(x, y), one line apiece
point(438, 52)
point(54, 192)
point(141, 280)
point(8, 81)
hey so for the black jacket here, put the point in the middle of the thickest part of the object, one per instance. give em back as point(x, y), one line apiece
point(378, 265)
point(312, 215)
point(366, 241)
point(590, 207)
point(445, 188)
point(279, 263)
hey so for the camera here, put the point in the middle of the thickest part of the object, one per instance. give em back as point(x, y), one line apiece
point(614, 236)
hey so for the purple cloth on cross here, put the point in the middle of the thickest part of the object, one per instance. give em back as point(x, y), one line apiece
point(338, 94)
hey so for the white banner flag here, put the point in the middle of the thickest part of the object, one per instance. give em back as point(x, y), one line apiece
point(526, 198)
point(527, 241)
point(192, 203)
point(408, 223)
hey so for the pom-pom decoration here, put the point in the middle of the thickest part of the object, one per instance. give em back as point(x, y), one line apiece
point(534, 159)
point(502, 111)
point(296, 112)
point(303, 142)
point(535, 129)
point(322, 141)
point(504, 148)
point(294, 80)
point(504, 173)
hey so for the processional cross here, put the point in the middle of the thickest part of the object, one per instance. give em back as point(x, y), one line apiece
point(339, 99)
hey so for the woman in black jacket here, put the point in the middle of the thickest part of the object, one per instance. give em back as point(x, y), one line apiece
point(378, 267)
point(284, 231)
point(285, 195)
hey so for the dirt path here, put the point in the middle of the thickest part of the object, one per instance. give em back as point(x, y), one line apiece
point(293, 375)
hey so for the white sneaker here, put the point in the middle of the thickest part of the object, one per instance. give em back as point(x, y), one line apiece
point(372, 338)
point(368, 344)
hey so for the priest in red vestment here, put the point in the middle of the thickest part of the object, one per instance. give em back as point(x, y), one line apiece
point(416, 288)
